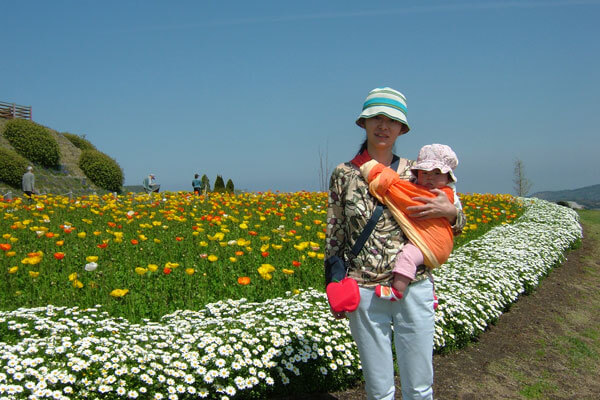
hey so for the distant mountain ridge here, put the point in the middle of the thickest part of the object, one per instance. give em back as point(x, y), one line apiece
point(588, 196)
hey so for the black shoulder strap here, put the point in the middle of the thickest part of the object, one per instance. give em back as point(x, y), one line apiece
point(360, 242)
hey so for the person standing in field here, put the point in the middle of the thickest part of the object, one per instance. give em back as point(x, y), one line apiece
point(196, 184)
point(28, 182)
point(378, 323)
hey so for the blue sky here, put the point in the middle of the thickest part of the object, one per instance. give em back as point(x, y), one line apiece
point(256, 90)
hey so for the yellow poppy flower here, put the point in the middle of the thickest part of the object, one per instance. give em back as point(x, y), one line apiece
point(152, 267)
point(34, 274)
point(265, 271)
point(77, 284)
point(81, 235)
point(140, 270)
point(91, 258)
point(119, 292)
point(13, 270)
point(212, 258)
point(190, 271)
point(73, 276)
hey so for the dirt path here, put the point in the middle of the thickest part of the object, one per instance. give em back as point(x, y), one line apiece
point(546, 347)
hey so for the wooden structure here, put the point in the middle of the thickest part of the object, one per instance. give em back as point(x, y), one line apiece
point(12, 110)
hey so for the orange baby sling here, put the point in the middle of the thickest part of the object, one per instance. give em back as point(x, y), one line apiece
point(433, 236)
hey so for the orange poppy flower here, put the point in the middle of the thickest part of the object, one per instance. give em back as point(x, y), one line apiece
point(59, 255)
point(134, 242)
point(102, 245)
point(5, 246)
point(243, 280)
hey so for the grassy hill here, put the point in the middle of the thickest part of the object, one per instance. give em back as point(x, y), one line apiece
point(69, 178)
point(588, 196)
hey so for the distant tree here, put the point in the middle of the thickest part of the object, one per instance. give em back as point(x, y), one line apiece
point(219, 184)
point(229, 186)
point(205, 184)
point(522, 184)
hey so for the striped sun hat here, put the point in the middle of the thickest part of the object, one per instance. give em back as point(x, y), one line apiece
point(386, 101)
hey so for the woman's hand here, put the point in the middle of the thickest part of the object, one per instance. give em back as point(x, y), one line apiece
point(436, 207)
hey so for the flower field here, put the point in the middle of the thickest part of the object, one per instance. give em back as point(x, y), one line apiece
point(214, 297)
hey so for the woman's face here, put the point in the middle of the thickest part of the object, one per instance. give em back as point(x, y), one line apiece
point(382, 132)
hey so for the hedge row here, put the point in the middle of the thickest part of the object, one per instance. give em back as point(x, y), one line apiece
point(102, 170)
point(33, 141)
point(12, 167)
point(79, 141)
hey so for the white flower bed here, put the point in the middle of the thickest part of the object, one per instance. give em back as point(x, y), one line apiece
point(234, 348)
point(486, 275)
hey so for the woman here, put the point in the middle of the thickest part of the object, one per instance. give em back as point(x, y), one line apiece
point(350, 205)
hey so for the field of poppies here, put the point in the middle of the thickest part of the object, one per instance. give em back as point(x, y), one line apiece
point(178, 296)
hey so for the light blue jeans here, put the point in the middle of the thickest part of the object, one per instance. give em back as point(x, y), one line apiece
point(413, 320)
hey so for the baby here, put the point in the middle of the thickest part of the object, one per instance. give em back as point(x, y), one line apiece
point(430, 240)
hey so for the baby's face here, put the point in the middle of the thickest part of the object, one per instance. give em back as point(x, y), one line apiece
point(434, 179)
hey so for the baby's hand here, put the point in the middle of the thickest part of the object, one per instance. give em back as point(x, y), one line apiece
point(400, 283)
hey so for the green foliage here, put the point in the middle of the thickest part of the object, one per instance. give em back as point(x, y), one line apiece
point(79, 141)
point(219, 185)
point(12, 167)
point(102, 170)
point(229, 186)
point(205, 183)
point(33, 142)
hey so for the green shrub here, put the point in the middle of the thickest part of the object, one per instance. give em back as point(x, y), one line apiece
point(12, 167)
point(102, 170)
point(33, 142)
point(205, 184)
point(79, 141)
point(219, 185)
point(229, 186)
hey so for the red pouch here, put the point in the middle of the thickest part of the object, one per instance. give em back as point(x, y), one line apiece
point(343, 295)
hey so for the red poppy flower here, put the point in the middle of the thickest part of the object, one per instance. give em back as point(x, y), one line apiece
point(59, 255)
point(167, 271)
point(178, 238)
point(102, 245)
point(112, 224)
point(243, 280)
point(296, 263)
point(265, 254)
point(253, 233)
point(5, 246)
point(134, 242)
